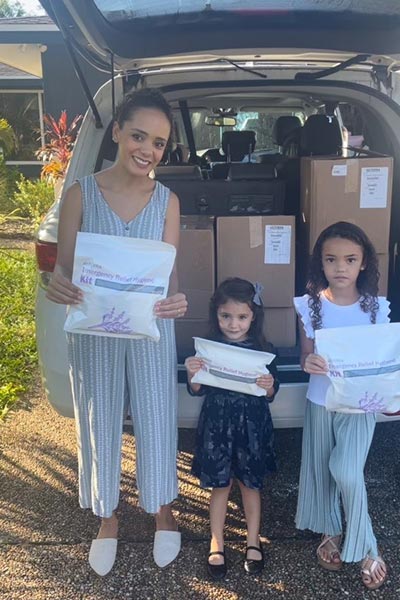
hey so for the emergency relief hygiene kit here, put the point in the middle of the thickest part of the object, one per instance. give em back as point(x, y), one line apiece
point(121, 279)
point(364, 374)
point(230, 367)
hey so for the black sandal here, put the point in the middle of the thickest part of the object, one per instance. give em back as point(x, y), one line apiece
point(217, 572)
point(251, 565)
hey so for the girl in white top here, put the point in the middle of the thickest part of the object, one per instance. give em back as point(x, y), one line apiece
point(342, 291)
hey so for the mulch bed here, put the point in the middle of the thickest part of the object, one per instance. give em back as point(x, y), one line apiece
point(17, 235)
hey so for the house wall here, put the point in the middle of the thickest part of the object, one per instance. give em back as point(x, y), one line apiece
point(62, 88)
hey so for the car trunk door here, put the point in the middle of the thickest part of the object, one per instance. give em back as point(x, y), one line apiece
point(138, 33)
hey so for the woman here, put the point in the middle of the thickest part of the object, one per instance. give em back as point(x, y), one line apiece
point(123, 200)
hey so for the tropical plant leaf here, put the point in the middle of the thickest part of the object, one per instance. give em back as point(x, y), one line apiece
point(8, 140)
point(57, 151)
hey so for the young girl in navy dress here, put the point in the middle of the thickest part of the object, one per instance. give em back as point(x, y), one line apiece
point(342, 291)
point(235, 432)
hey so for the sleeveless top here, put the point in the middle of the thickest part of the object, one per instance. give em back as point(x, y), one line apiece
point(98, 216)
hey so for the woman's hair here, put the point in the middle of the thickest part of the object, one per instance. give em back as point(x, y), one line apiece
point(238, 290)
point(145, 98)
point(367, 281)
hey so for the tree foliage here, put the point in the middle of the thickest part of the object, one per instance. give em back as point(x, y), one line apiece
point(8, 141)
point(11, 8)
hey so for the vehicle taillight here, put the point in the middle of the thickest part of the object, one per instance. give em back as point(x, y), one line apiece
point(46, 255)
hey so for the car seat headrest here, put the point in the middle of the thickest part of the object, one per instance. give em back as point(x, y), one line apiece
point(321, 135)
point(236, 144)
point(283, 127)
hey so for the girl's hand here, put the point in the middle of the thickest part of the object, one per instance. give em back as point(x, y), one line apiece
point(172, 307)
point(62, 291)
point(266, 382)
point(315, 365)
point(193, 364)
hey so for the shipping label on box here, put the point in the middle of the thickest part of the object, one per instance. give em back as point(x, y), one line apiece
point(373, 189)
point(278, 240)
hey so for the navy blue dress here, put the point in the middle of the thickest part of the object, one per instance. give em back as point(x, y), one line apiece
point(234, 437)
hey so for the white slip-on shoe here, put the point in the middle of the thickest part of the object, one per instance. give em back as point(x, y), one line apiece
point(102, 555)
point(167, 545)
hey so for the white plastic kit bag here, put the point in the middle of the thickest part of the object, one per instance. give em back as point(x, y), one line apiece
point(121, 279)
point(364, 367)
point(230, 367)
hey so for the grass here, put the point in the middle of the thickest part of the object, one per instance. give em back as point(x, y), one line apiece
point(18, 357)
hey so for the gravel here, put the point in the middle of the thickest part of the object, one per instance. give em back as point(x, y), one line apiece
point(45, 537)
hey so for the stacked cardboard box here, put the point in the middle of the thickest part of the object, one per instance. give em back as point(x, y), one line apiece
point(262, 249)
point(358, 190)
point(196, 276)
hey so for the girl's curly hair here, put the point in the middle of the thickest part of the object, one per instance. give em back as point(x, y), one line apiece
point(238, 290)
point(367, 281)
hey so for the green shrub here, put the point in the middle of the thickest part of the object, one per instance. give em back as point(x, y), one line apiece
point(9, 177)
point(18, 356)
point(33, 199)
point(8, 141)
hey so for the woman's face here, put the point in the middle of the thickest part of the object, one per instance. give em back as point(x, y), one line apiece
point(142, 140)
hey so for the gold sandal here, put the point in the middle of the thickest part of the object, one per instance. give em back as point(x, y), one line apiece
point(369, 572)
point(330, 545)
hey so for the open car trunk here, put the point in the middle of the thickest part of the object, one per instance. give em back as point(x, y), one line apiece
point(301, 59)
point(138, 34)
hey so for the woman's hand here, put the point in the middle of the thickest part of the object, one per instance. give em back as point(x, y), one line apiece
point(172, 307)
point(266, 382)
point(315, 364)
point(193, 364)
point(62, 291)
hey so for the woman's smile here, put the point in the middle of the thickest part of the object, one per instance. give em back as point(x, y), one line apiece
point(141, 162)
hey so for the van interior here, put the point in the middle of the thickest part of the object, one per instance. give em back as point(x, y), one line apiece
point(286, 119)
point(236, 158)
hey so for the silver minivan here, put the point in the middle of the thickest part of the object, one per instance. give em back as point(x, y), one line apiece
point(223, 64)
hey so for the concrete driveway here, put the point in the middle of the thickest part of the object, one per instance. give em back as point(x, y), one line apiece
point(45, 537)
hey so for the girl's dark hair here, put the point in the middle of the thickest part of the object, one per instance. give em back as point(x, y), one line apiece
point(367, 281)
point(238, 290)
point(146, 98)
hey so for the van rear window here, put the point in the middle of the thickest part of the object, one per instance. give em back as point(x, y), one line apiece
point(118, 10)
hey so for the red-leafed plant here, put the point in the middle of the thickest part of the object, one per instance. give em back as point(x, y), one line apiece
point(57, 151)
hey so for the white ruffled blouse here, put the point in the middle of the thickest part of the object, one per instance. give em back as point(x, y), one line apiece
point(333, 315)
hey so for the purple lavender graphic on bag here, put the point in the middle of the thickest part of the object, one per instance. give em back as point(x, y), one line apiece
point(113, 323)
point(372, 404)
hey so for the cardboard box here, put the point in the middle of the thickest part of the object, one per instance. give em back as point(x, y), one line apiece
point(357, 190)
point(185, 331)
point(280, 326)
point(198, 303)
point(384, 274)
point(259, 249)
point(196, 264)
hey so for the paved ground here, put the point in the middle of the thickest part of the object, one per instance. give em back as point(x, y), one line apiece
point(45, 537)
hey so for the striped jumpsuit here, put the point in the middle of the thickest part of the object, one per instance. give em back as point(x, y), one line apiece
point(105, 371)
